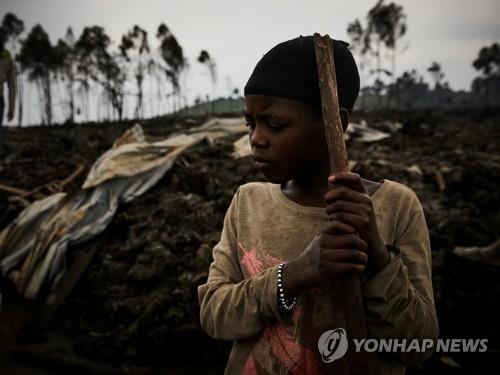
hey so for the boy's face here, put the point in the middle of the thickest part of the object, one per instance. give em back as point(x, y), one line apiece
point(287, 138)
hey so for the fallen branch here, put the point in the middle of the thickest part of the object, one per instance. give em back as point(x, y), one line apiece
point(19, 201)
point(12, 190)
point(78, 171)
point(20, 196)
point(55, 186)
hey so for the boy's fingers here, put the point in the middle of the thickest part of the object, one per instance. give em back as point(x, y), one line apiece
point(339, 227)
point(338, 269)
point(347, 206)
point(345, 241)
point(353, 180)
point(344, 256)
point(354, 220)
point(348, 194)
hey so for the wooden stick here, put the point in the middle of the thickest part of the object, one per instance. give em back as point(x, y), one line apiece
point(347, 290)
point(12, 190)
point(78, 171)
point(18, 200)
point(330, 104)
point(20, 196)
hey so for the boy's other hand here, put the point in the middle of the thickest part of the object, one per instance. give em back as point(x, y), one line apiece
point(348, 201)
point(335, 252)
point(350, 243)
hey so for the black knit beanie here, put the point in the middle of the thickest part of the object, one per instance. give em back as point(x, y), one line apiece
point(289, 71)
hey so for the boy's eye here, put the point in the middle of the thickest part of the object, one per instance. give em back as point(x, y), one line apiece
point(275, 125)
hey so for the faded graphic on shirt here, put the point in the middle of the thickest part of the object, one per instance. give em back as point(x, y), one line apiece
point(278, 348)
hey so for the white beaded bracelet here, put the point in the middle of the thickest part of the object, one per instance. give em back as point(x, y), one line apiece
point(281, 293)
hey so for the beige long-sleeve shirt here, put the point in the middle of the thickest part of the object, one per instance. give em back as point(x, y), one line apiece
point(7, 75)
point(262, 228)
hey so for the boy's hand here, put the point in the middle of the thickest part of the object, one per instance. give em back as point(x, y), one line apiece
point(348, 202)
point(333, 253)
point(350, 243)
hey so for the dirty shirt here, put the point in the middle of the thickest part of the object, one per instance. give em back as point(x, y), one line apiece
point(263, 228)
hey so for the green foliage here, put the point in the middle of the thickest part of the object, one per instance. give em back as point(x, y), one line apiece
point(488, 61)
point(38, 58)
point(96, 62)
point(437, 74)
point(387, 22)
point(37, 53)
point(385, 26)
point(172, 53)
point(11, 28)
point(487, 85)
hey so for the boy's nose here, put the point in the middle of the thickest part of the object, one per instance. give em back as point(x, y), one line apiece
point(257, 137)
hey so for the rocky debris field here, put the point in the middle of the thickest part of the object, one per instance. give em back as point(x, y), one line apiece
point(135, 307)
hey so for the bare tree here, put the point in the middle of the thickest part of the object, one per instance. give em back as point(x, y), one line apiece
point(174, 62)
point(386, 26)
point(488, 61)
point(360, 44)
point(37, 58)
point(97, 64)
point(65, 64)
point(436, 73)
point(488, 64)
point(112, 69)
point(135, 48)
point(209, 62)
point(13, 28)
point(88, 46)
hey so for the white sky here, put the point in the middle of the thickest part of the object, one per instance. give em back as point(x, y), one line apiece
point(237, 33)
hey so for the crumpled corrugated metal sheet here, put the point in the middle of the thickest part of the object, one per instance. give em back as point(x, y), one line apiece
point(33, 247)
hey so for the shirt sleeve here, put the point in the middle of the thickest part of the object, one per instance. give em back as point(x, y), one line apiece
point(399, 300)
point(231, 307)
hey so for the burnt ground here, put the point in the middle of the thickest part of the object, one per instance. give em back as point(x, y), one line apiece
point(135, 308)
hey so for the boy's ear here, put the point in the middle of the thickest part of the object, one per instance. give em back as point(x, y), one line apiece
point(344, 117)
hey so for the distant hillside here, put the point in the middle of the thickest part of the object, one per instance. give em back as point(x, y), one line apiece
point(414, 96)
point(221, 106)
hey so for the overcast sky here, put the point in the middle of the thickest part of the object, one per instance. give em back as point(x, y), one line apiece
point(237, 33)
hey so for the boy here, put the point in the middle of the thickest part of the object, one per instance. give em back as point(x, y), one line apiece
point(282, 240)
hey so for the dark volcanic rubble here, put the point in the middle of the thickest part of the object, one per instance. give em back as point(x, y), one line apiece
point(137, 300)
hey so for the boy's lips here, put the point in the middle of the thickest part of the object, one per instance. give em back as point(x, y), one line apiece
point(260, 159)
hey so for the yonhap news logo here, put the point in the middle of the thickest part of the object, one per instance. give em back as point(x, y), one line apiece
point(333, 344)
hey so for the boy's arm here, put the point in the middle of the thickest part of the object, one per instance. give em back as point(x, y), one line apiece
point(399, 299)
point(231, 307)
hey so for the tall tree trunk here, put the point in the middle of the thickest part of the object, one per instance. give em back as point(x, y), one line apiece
point(20, 93)
point(138, 108)
point(392, 93)
point(71, 79)
point(379, 68)
point(393, 63)
point(41, 100)
point(159, 95)
point(109, 106)
point(488, 92)
point(87, 89)
point(120, 111)
point(48, 98)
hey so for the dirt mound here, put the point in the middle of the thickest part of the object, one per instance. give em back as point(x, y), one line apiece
point(137, 301)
